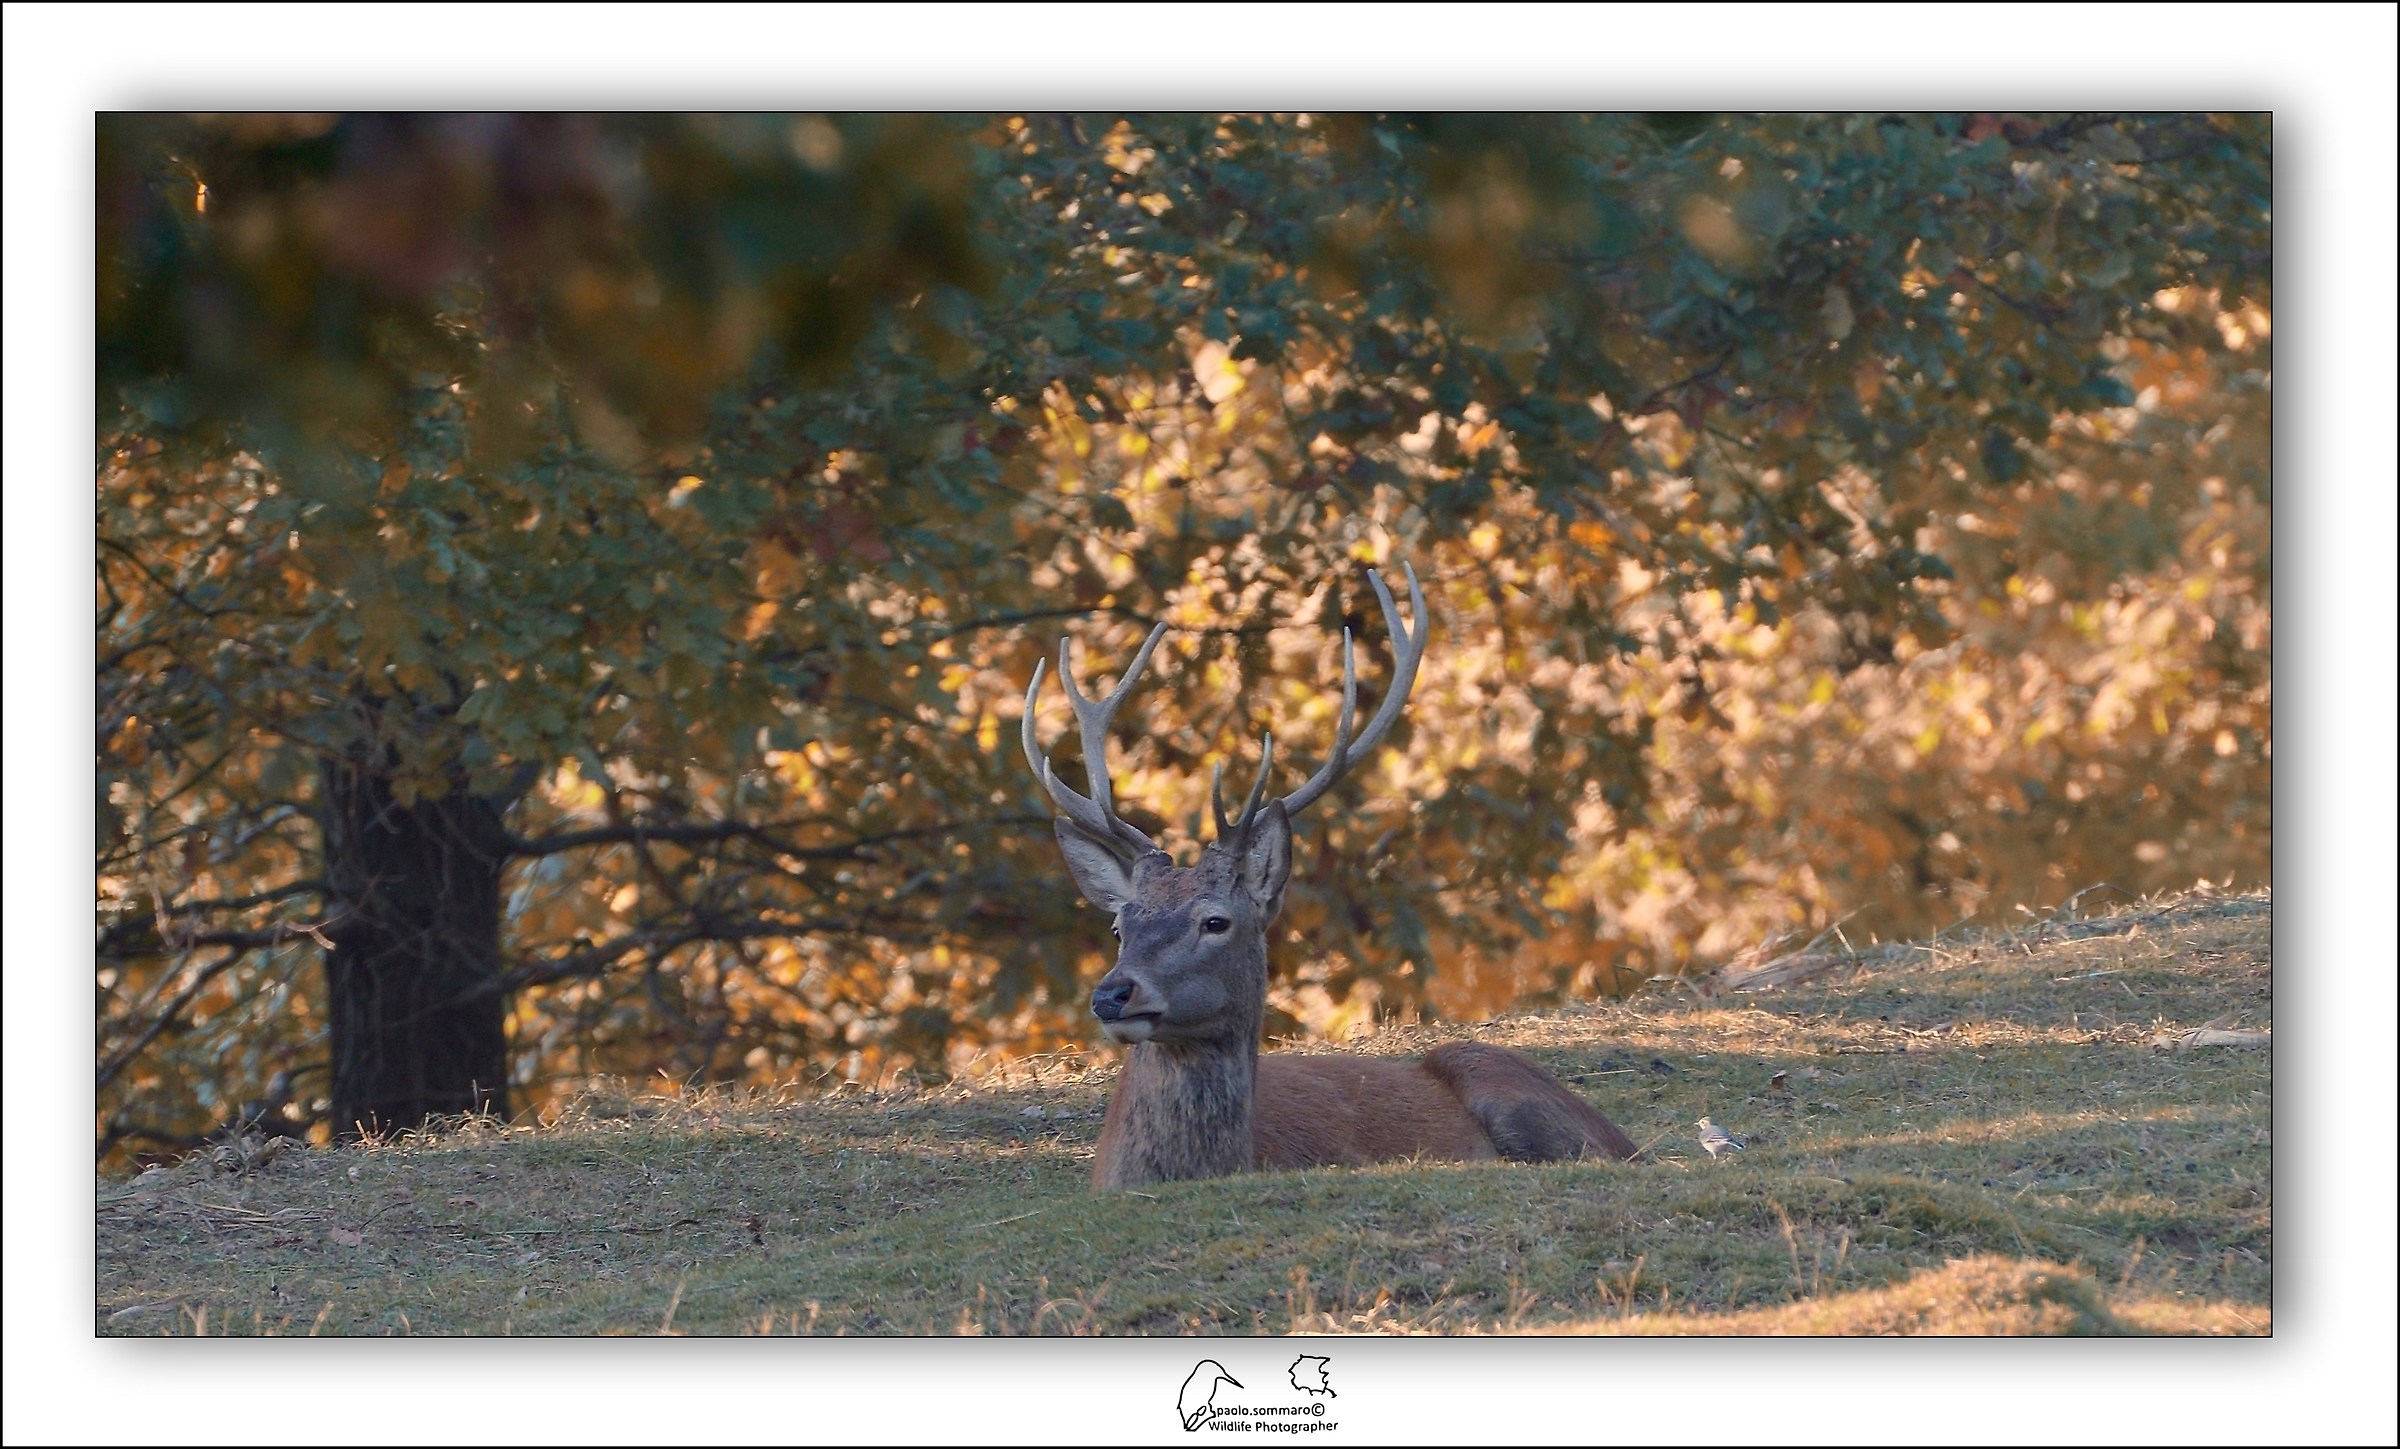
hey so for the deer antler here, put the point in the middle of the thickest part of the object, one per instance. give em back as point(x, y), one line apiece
point(1408, 651)
point(1097, 815)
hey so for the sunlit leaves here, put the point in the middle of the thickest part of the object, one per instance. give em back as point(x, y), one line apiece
point(1820, 513)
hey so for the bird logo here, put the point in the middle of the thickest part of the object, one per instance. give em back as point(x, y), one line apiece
point(1715, 1139)
point(1194, 1404)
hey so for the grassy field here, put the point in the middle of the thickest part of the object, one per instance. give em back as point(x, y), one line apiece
point(1987, 1134)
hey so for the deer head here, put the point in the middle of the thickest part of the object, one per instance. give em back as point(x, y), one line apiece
point(1191, 962)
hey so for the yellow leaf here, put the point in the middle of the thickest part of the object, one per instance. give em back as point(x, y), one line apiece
point(795, 768)
point(130, 744)
point(778, 571)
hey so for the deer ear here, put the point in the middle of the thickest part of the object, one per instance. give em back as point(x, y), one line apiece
point(1264, 857)
point(1100, 873)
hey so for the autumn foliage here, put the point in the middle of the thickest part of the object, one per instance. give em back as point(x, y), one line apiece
point(1830, 523)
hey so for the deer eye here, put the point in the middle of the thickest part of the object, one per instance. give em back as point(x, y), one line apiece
point(1216, 925)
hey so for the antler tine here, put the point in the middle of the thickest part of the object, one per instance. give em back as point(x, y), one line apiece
point(1226, 829)
point(1338, 761)
point(1076, 808)
point(1097, 813)
point(1033, 747)
point(1408, 651)
point(1094, 718)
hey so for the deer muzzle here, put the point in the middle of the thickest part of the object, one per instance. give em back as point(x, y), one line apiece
point(1123, 1015)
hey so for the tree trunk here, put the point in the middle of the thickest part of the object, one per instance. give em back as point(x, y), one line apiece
point(418, 1021)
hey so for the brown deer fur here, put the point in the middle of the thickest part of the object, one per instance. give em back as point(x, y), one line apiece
point(1209, 1104)
point(1188, 993)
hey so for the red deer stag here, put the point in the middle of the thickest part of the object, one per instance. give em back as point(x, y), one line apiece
point(1188, 992)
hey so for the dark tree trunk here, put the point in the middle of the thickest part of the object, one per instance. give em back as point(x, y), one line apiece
point(419, 1024)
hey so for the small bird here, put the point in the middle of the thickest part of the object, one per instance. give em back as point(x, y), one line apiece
point(1715, 1139)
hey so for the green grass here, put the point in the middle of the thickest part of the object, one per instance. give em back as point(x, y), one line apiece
point(1977, 1135)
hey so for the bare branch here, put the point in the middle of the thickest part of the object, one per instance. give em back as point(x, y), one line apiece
point(237, 941)
point(597, 960)
point(764, 832)
point(128, 938)
point(125, 1055)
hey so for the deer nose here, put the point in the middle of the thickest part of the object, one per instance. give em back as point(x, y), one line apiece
point(1108, 1000)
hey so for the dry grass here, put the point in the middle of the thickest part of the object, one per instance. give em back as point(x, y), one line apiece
point(1983, 1295)
point(1972, 1136)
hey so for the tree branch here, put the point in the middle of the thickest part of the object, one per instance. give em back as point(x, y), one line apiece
point(723, 830)
point(703, 927)
point(203, 610)
point(127, 937)
point(238, 942)
point(116, 1064)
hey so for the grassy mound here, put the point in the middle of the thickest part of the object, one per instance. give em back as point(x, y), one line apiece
point(1987, 1295)
point(2002, 1133)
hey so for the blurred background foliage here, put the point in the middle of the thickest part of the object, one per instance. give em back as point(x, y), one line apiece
point(1855, 520)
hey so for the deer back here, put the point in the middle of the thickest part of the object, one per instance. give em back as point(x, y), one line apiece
point(1348, 1111)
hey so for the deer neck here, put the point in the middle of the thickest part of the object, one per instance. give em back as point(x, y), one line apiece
point(1184, 1110)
